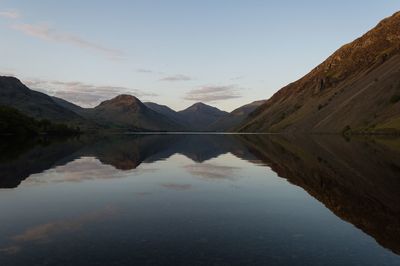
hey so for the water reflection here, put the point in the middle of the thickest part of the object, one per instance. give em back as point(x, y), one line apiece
point(206, 198)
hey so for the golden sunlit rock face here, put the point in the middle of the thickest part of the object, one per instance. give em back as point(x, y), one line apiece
point(358, 86)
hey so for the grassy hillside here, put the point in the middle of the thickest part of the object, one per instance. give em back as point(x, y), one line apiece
point(356, 89)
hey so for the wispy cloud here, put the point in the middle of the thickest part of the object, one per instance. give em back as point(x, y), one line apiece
point(10, 13)
point(46, 33)
point(237, 78)
point(83, 94)
point(178, 77)
point(213, 93)
point(145, 71)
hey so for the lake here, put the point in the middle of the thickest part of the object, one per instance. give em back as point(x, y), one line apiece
point(200, 200)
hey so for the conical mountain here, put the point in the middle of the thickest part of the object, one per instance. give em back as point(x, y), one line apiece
point(128, 112)
point(201, 116)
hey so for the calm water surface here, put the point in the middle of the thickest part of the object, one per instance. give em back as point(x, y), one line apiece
point(200, 200)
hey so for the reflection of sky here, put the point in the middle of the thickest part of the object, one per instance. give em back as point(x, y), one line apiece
point(82, 169)
point(46, 232)
point(225, 204)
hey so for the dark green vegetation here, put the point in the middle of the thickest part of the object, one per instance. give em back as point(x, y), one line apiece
point(13, 122)
point(358, 86)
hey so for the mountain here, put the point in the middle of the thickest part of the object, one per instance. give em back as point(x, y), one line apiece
point(200, 116)
point(356, 89)
point(68, 105)
point(13, 93)
point(128, 112)
point(168, 112)
point(236, 117)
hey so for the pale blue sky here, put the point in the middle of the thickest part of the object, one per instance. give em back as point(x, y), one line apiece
point(226, 53)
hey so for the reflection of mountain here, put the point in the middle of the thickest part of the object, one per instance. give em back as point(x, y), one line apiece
point(124, 152)
point(132, 150)
point(19, 160)
point(358, 181)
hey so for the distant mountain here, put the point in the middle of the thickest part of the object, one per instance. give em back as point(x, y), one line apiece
point(128, 112)
point(168, 112)
point(201, 116)
point(236, 117)
point(68, 105)
point(35, 104)
point(357, 89)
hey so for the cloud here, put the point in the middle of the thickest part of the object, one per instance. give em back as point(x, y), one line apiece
point(10, 13)
point(237, 78)
point(213, 93)
point(49, 34)
point(178, 77)
point(212, 171)
point(144, 71)
point(83, 94)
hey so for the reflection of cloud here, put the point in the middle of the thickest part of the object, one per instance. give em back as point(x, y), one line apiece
point(178, 77)
point(212, 171)
point(10, 13)
point(213, 93)
point(176, 186)
point(45, 232)
point(84, 94)
point(49, 34)
point(83, 169)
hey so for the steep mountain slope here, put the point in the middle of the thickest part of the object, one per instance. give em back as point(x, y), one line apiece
point(236, 117)
point(200, 116)
point(356, 88)
point(128, 112)
point(168, 112)
point(35, 104)
point(68, 105)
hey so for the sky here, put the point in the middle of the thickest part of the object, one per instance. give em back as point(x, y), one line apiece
point(225, 53)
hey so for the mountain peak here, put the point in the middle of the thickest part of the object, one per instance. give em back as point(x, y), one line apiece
point(125, 98)
point(122, 100)
point(10, 78)
point(200, 106)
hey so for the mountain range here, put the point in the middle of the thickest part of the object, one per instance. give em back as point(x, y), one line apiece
point(122, 113)
point(355, 90)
